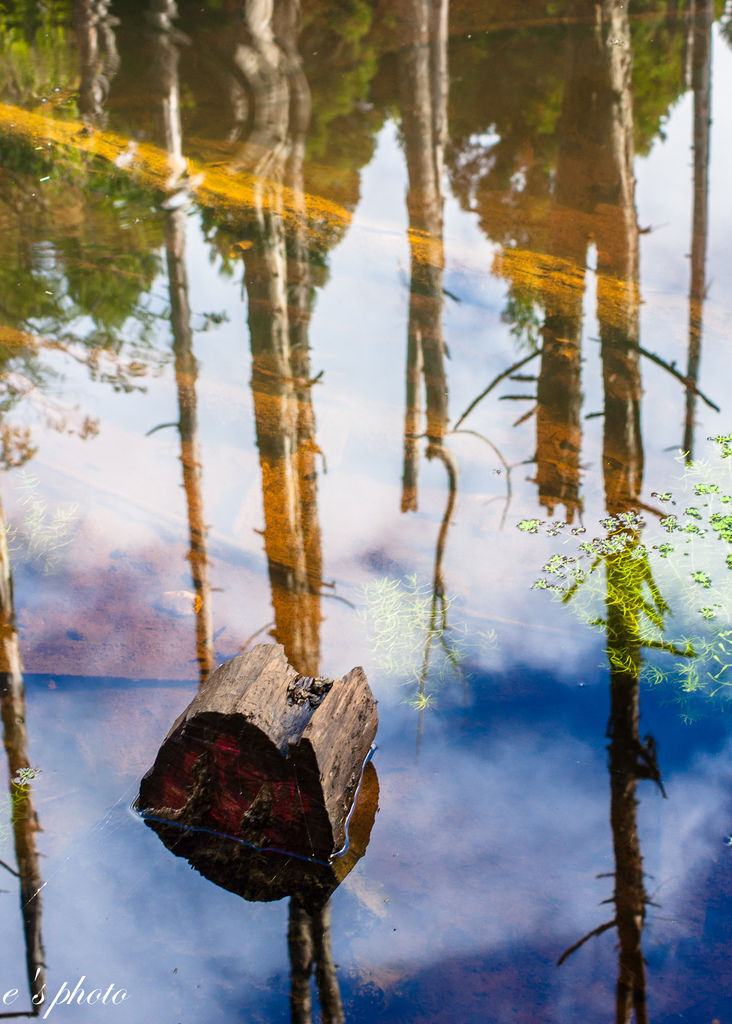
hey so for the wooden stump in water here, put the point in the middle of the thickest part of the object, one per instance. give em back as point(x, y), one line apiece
point(265, 755)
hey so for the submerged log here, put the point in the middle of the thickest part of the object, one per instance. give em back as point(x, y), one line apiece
point(266, 756)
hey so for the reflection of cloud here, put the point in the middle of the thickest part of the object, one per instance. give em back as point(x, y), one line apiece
point(692, 835)
point(481, 841)
point(482, 864)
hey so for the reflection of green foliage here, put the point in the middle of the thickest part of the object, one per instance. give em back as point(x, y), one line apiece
point(80, 252)
point(37, 60)
point(628, 604)
point(16, 801)
point(340, 47)
point(41, 534)
point(403, 631)
point(508, 116)
point(521, 313)
point(66, 219)
point(726, 26)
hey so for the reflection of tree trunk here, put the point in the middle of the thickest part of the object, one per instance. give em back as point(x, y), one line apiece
point(609, 191)
point(94, 28)
point(15, 738)
point(270, 86)
point(702, 84)
point(309, 942)
point(559, 398)
point(617, 265)
point(618, 314)
point(186, 370)
point(625, 747)
point(286, 432)
point(267, 89)
point(688, 49)
point(423, 89)
point(559, 401)
point(266, 83)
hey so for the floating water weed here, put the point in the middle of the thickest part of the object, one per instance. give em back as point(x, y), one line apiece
point(14, 807)
point(407, 628)
point(42, 533)
point(616, 582)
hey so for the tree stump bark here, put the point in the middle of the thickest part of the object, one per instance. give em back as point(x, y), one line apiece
point(266, 756)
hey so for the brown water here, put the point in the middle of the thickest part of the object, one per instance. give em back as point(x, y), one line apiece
point(342, 328)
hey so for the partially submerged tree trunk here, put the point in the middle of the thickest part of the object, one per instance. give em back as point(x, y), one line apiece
point(266, 756)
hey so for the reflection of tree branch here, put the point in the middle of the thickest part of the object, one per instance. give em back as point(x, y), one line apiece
point(526, 416)
point(494, 382)
point(503, 462)
point(670, 368)
point(686, 381)
point(254, 635)
point(438, 584)
point(595, 931)
point(8, 868)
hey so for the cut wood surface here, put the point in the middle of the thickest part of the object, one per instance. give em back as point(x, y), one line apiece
point(266, 755)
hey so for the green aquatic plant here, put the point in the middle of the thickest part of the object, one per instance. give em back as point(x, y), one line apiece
point(42, 532)
point(407, 628)
point(15, 803)
point(617, 580)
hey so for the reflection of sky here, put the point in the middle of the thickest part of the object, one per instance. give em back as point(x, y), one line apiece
point(482, 864)
point(128, 485)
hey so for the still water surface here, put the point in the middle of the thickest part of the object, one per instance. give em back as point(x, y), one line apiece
point(396, 334)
